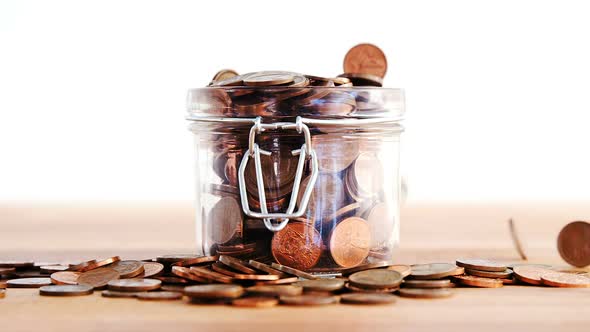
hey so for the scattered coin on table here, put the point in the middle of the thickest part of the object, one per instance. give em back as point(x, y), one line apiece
point(159, 296)
point(66, 290)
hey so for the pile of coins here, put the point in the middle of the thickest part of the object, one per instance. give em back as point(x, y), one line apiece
point(228, 280)
point(351, 215)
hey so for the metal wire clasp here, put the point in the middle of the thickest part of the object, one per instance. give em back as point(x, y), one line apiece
point(305, 152)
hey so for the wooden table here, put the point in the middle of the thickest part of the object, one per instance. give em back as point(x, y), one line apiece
point(429, 233)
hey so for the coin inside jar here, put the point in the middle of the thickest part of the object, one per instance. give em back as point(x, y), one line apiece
point(225, 220)
point(335, 152)
point(365, 178)
point(350, 242)
point(381, 222)
point(297, 245)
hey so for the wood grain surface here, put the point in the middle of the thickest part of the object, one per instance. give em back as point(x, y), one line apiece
point(429, 233)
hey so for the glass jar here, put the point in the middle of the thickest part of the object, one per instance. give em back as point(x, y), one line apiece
point(305, 177)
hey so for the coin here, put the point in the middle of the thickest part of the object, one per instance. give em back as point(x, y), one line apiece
point(488, 274)
point(211, 275)
point(573, 243)
point(511, 281)
point(65, 278)
point(97, 264)
point(404, 270)
point(481, 264)
point(368, 266)
point(560, 279)
point(516, 239)
point(268, 78)
point(432, 270)
point(179, 280)
point(4, 271)
point(16, 264)
point(171, 259)
point(308, 300)
point(379, 278)
point(214, 291)
point(160, 296)
point(237, 264)
point(28, 282)
point(151, 269)
point(422, 293)
point(98, 278)
point(275, 290)
point(327, 196)
point(350, 242)
point(197, 261)
point(51, 268)
point(184, 272)
point(128, 269)
point(297, 245)
point(3, 284)
point(78, 267)
point(363, 79)
point(118, 294)
point(530, 274)
point(343, 212)
point(173, 288)
point(66, 290)
point(255, 302)
point(322, 285)
point(381, 221)
point(224, 74)
point(440, 283)
point(293, 271)
point(365, 59)
point(225, 219)
point(266, 268)
point(282, 281)
point(478, 281)
point(367, 175)
point(335, 152)
point(134, 285)
point(367, 298)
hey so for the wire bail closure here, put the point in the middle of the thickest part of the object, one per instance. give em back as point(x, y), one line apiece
point(254, 151)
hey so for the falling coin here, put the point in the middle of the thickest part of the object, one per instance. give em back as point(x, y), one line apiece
point(516, 239)
point(573, 243)
point(66, 290)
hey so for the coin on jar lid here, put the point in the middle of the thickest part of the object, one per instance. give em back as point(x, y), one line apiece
point(381, 222)
point(350, 242)
point(298, 245)
point(335, 152)
point(363, 79)
point(366, 59)
point(481, 264)
point(432, 270)
point(573, 243)
point(224, 74)
point(379, 278)
point(268, 78)
point(237, 80)
point(225, 220)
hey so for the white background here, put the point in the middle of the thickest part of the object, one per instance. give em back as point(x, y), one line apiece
point(92, 92)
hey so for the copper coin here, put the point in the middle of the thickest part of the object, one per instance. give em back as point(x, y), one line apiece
point(255, 302)
point(65, 278)
point(134, 285)
point(297, 245)
point(100, 263)
point(323, 285)
point(224, 220)
point(367, 298)
point(481, 264)
point(160, 296)
point(335, 152)
point(488, 274)
point(432, 270)
point(404, 270)
point(479, 281)
point(511, 281)
point(282, 281)
point(368, 266)
point(214, 291)
point(365, 59)
point(17, 264)
point(309, 300)
point(327, 197)
point(573, 243)
point(79, 266)
point(381, 221)
point(237, 264)
point(343, 212)
point(380, 278)
point(118, 294)
point(151, 269)
point(421, 293)
point(268, 78)
point(560, 279)
point(173, 288)
point(51, 268)
point(28, 282)
point(350, 242)
point(363, 79)
point(275, 290)
point(197, 261)
point(171, 259)
point(211, 275)
point(176, 280)
point(293, 271)
point(186, 273)
point(128, 269)
point(516, 239)
point(7, 271)
point(66, 290)
point(370, 290)
point(530, 274)
point(440, 283)
point(224, 74)
point(224, 269)
point(266, 268)
point(98, 278)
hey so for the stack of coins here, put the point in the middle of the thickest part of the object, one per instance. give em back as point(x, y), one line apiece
point(349, 221)
point(229, 280)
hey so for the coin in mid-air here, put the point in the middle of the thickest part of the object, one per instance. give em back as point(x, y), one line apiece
point(573, 243)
